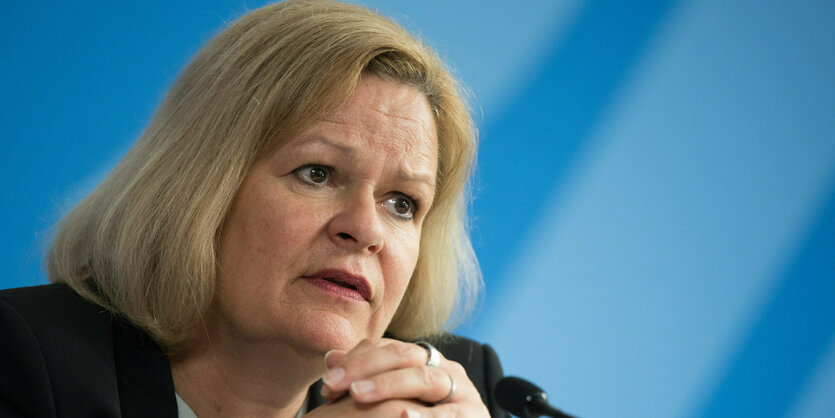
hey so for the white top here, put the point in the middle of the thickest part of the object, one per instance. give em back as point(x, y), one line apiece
point(183, 410)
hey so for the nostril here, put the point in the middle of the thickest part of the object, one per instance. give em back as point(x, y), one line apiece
point(346, 236)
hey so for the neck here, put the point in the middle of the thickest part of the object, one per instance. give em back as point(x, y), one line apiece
point(223, 377)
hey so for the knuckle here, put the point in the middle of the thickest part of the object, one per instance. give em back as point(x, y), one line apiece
point(427, 376)
point(402, 350)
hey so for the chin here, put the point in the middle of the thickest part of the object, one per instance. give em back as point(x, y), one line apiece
point(325, 333)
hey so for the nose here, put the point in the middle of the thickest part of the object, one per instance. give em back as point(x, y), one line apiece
point(357, 225)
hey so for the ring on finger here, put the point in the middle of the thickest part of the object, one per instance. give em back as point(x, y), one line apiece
point(451, 391)
point(434, 355)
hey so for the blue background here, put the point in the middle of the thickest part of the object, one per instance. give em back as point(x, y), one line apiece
point(655, 195)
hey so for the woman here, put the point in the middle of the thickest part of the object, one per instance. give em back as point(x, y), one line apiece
point(299, 193)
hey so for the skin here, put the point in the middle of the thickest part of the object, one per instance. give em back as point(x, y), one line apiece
point(349, 193)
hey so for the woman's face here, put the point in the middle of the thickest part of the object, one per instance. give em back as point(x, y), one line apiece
point(323, 235)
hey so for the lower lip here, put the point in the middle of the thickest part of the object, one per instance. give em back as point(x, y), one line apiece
point(336, 289)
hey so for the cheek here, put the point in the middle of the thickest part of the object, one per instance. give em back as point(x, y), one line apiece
point(273, 224)
point(263, 238)
point(403, 259)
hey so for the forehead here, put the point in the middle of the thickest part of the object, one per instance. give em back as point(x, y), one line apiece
point(388, 117)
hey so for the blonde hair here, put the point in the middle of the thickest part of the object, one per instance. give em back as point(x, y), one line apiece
point(143, 243)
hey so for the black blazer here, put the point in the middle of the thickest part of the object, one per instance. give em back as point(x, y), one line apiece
point(62, 356)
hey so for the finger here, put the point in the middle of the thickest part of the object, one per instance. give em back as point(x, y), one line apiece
point(371, 358)
point(445, 411)
point(427, 384)
point(332, 357)
point(475, 409)
point(349, 408)
point(332, 360)
point(332, 389)
point(331, 396)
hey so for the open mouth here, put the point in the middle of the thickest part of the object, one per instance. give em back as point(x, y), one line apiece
point(343, 283)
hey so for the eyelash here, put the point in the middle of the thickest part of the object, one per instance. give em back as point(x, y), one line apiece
point(414, 202)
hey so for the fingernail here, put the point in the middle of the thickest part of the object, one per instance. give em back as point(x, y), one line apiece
point(362, 386)
point(410, 413)
point(325, 392)
point(333, 376)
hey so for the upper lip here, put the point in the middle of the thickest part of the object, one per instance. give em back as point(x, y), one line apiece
point(346, 278)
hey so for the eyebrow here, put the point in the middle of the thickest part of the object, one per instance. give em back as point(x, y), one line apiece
point(406, 177)
point(346, 149)
point(318, 139)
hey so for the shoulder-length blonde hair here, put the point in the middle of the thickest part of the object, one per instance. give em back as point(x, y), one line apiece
point(143, 243)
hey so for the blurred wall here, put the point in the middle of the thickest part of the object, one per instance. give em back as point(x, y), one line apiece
point(655, 195)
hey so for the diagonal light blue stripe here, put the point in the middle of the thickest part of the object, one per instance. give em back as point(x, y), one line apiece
point(791, 336)
point(526, 154)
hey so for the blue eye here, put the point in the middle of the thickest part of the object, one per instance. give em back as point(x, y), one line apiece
point(401, 206)
point(315, 175)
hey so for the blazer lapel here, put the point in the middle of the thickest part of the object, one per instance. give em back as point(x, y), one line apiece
point(146, 388)
point(314, 396)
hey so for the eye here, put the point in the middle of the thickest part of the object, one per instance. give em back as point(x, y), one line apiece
point(401, 206)
point(315, 175)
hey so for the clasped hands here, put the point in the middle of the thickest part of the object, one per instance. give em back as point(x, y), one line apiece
point(388, 378)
